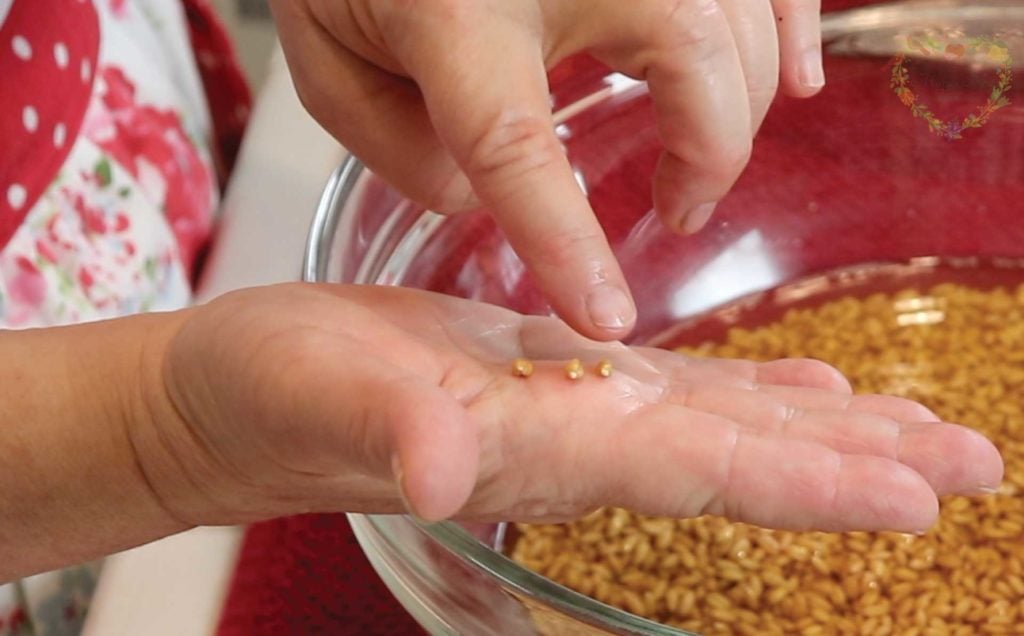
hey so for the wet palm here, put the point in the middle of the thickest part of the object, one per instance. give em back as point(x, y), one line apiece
point(305, 398)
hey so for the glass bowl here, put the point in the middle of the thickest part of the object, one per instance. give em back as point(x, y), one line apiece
point(878, 173)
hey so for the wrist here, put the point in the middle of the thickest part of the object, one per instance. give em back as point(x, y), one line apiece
point(170, 451)
point(74, 488)
point(179, 426)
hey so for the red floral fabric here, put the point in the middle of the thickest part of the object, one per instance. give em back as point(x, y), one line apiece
point(108, 188)
point(47, 59)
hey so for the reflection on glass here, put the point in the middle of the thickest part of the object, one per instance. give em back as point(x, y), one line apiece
point(745, 267)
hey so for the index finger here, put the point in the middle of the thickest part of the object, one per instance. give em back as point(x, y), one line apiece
point(487, 96)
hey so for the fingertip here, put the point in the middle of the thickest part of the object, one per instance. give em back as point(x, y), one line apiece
point(672, 202)
point(695, 220)
point(805, 77)
point(797, 90)
point(686, 195)
point(954, 459)
point(398, 471)
point(811, 74)
point(430, 495)
point(800, 46)
point(610, 311)
point(992, 469)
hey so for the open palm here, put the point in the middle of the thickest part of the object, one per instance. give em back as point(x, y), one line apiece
point(324, 398)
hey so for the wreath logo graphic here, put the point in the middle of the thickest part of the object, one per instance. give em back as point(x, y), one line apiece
point(978, 47)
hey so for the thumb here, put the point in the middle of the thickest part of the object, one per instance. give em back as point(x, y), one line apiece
point(434, 449)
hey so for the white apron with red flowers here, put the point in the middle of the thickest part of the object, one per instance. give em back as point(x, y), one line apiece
point(107, 191)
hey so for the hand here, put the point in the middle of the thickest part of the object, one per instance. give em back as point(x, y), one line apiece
point(322, 398)
point(447, 98)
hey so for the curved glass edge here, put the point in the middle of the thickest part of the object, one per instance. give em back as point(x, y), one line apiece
point(451, 536)
point(880, 29)
point(324, 226)
point(527, 582)
point(896, 17)
point(370, 539)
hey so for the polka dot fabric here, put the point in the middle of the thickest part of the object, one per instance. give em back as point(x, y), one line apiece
point(47, 66)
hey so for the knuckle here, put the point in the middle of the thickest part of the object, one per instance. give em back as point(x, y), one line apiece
point(513, 146)
point(315, 101)
point(682, 11)
point(453, 13)
point(559, 249)
point(692, 24)
point(310, 99)
point(727, 159)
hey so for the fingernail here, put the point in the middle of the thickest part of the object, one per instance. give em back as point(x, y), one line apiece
point(697, 218)
point(812, 75)
point(978, 490)
point(399, 473)
point(609, 307)
point(396, 470)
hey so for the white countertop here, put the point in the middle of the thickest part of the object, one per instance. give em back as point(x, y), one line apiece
point(176, 586)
